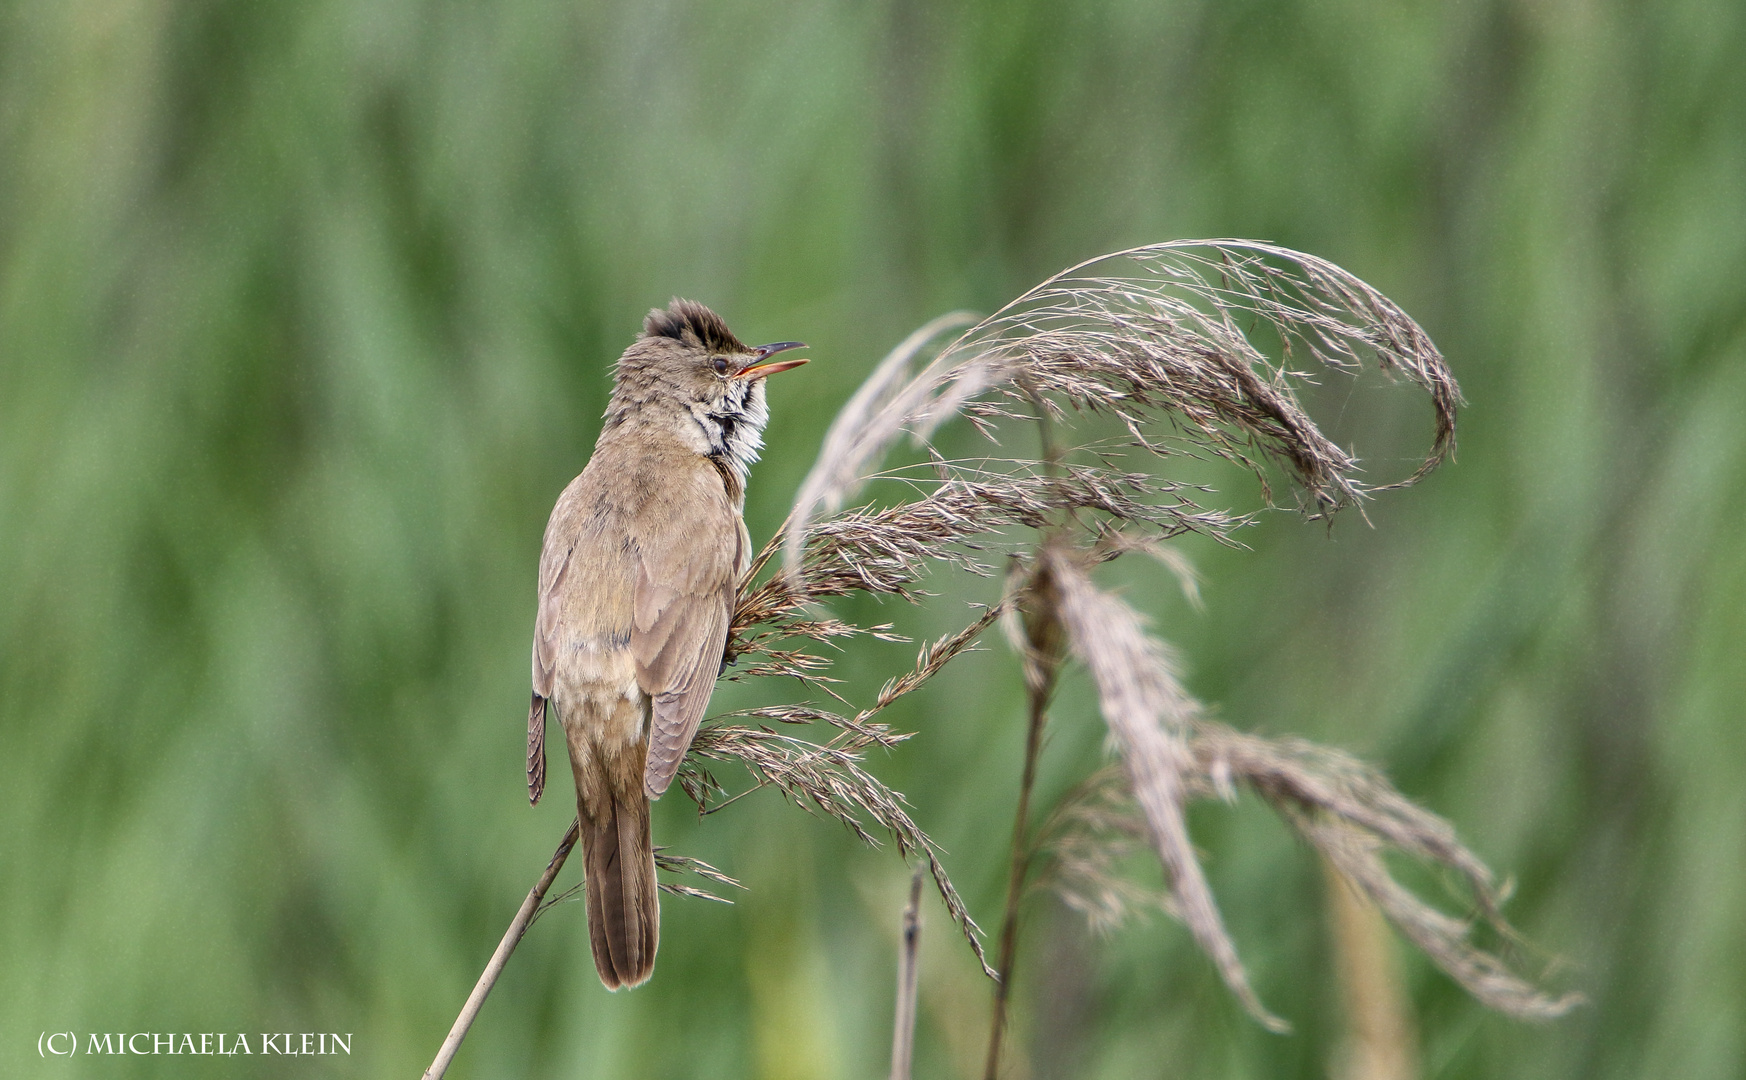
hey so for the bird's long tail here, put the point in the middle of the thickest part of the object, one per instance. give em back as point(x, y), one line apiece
point(624, 910)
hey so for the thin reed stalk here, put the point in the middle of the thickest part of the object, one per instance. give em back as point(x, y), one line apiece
point(1042, 662)
point(494, 967)
point(1015, 888)
point(908, 976)
point(1378, 1042)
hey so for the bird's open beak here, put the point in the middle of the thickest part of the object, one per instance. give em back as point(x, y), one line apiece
point(759, 369)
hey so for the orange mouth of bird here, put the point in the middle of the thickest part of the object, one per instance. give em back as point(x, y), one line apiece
point(762, 367)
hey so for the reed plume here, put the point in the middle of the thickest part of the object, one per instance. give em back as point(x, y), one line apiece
point(1190, 348)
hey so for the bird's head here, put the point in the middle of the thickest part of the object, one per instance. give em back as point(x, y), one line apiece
point(687, 373)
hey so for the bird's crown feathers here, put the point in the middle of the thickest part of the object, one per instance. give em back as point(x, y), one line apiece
point(689, 322)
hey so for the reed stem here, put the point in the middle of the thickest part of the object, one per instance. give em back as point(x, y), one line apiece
point(1040, 689)
point(511, 938)
point(903, 1028)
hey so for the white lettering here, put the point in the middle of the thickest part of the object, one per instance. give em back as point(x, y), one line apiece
point(297, 1044)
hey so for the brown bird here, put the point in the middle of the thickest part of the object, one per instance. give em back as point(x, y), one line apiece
point(638, 573)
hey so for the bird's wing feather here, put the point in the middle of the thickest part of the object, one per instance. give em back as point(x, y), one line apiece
point(554, 569)
point(685, 589)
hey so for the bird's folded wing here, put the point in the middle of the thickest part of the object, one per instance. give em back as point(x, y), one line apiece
point(685, 590)
point(554, 568)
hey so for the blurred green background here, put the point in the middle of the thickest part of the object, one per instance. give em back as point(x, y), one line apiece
point(305, 318)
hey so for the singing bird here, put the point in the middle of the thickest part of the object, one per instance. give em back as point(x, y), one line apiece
point(642, 559)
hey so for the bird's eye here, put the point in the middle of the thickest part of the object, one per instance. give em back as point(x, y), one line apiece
point(720, 366)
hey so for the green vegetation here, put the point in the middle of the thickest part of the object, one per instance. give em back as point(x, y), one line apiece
point(305, 317)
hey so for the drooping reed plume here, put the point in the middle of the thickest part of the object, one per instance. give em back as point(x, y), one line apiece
point(1190, 348)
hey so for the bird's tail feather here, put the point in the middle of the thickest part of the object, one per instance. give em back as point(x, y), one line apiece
point(624, 910)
